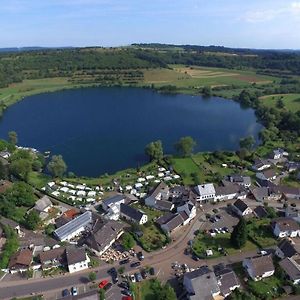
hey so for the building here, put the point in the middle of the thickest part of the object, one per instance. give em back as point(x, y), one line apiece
point(102, 236)
point(20, 261)
point(171, 224)
point(132, 214)
point(227, 281)
point(12, 224)
point(43, 205)
point(52, 258)
point(241, 208)
point(291, 269)
point(74, 227)
point(285, 227)
point(229, 192)
point(244, 181)
point(278, 154)
point(201, 284)
point(190, 210)
point(259, 267)
point(290, 192)
point(205, 192)
point(113, 201)
point(260, 212)
point(160, 193)
point(287, 248)
point(265, 193)
point(76, 259)
point(260, 165)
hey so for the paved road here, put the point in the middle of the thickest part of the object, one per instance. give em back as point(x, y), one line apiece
point(161, 260)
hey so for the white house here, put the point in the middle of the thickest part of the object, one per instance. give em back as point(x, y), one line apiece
point(159, 193)
point(77, 259)
point(132, 214)
point(205, 192)
point(241, 208)
point(113, 201)
point(259, 267)
point(285, 227)
point(190, 209)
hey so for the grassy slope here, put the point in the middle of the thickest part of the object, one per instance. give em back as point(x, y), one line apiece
point(291, 101)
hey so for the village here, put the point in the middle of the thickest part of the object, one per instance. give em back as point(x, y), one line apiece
point(83, 227)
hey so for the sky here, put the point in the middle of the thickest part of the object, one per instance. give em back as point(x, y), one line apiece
point(233, 23)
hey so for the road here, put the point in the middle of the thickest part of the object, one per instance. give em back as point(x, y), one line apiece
point(161, 260)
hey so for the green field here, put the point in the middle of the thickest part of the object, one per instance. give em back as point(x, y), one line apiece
point(291, 101)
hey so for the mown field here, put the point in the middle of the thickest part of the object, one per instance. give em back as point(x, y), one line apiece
point(291, 101)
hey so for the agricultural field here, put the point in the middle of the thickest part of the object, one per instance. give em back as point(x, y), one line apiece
point(291, 101)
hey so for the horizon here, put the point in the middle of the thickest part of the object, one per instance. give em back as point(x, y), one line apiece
point(264, 24)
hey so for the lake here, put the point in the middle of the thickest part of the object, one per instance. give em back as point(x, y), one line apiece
point(100, 130)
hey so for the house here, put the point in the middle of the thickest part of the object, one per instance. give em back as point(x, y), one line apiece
point(164, 205)
point(173, 223)
point(291, 269)
point(285, 227)
point(5, 154)
point(259, 267)
point(269, 175)
point(260, 165)
point(287, 248)
point(229, 192)
point(227, 281)
point(160, 193)
point(292, 212)
point(265, 193)
point(20, 261)
point(260, 212)
point(205, 192)
point(278, 154)
point(201, 284)
point(241, 208)
point(292, 166)
point(76, 259)
point(74, 227)
point(52, 258)
point(113, 201)
point(190, 210)
point(102, 236)
point(12, 224)
point(239, 179)
point(132, 214)
point(43, 205)
point(290, 192)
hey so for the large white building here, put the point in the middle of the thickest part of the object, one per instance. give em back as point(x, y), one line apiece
point(205, 192)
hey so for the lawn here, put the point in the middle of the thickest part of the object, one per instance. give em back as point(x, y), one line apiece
point(270, 286)
point(260, 231)
point(145, 290)
point(38, 180)
point(150, 212)
point(202, 242)
point(291, 101)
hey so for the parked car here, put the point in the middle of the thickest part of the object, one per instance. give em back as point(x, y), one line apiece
point(152, 271)
point(144, 274)
point(135, 264)
point(215, 210)
point(124, 261)
point(74, 291)
point(65, 293)
point(140, 256)
point(226, 229)
point(126, 293)
point(107, 287)
point(114, 275)
point(262, 252)
point(103, 283)
point(124, 285)
point(132, 278)
point(138, 277)
point(219, 217)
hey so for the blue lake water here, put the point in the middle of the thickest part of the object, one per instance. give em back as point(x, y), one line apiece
point(100, 130)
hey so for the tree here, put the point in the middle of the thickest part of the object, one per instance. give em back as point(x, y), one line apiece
point(185, 146)
point(13, 137)
point(239, 234)
point(101, 294)
point(166, 293)
point(280, 103)
point(57, 167)
point(206, 91)
point(3, 171)
point(92, 276)
point(32, 220)
point(128, 241)
point(247, 142)
point(21, 168)
point(155, 150)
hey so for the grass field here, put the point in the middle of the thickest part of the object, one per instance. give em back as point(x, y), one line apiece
point(144, 290)
point(291, 101)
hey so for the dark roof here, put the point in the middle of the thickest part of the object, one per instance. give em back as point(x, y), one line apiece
point(22, 258)
point(291, 268)
point(289, 190)
point(175, 222)
point(54, 254)
point(269, 173)
point(260, 212)
point(287, 248)
point(164, 218)
point(113, 199)
point(62, 220)
point(103, 234)
point(164, 204)
point(75, 255)
point(131, 212)
point(184, 215)
point(240, 205)
point(228, 189)
point(198, 272)
point(158, 188)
